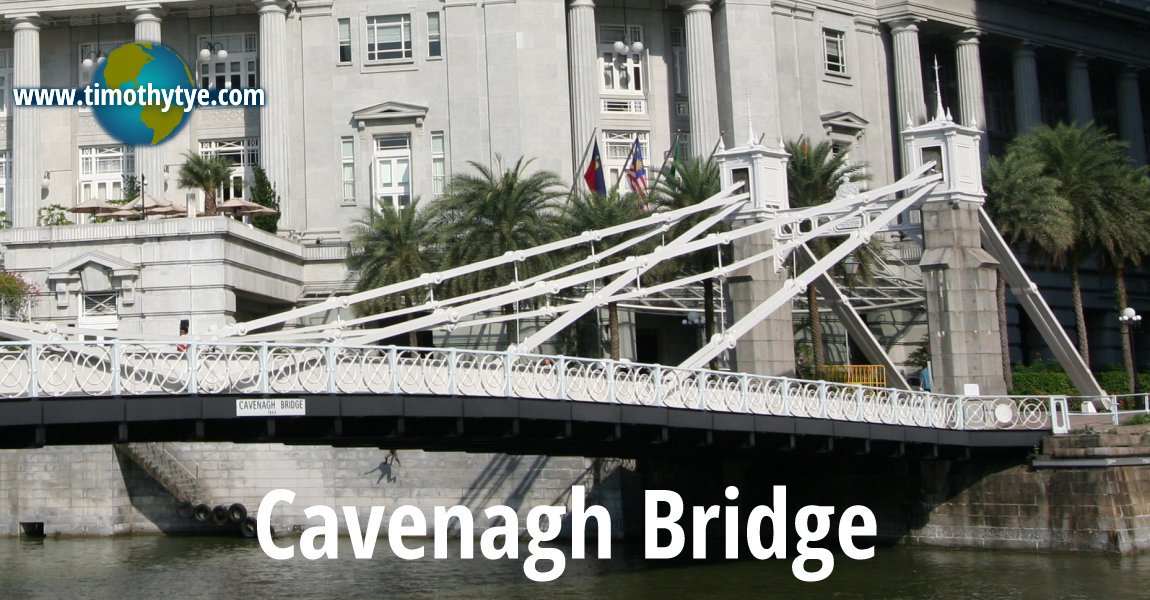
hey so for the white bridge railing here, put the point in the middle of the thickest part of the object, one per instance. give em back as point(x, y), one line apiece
point(119, 368)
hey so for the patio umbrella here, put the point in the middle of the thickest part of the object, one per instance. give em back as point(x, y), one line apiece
point(168, 208)
point(149, 205)
point(262, 211)
point(237, 205)
point(94, 206)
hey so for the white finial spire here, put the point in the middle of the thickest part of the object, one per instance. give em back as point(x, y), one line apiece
point(750, 124)
point(939, 113)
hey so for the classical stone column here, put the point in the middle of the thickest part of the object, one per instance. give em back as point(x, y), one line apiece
point(274, 114)
point(1078, 90)
point(582, 50)
point(701, 83)
point(149, 158)
point(909, 99)
point(26, 174)
point(1130, 114)
point(972, 111)
point(1027, 109)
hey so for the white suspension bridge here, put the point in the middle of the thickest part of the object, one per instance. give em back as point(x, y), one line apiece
point(261, 359)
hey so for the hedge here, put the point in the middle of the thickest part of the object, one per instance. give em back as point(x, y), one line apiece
point(1048, 379)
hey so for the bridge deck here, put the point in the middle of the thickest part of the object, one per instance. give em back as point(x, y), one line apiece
point(54, 389)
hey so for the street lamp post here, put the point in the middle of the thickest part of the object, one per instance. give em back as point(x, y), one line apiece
point(143, 197)
point(1130, 319)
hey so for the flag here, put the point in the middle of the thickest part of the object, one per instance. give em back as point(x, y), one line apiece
point(594, 174)
point(637, 171)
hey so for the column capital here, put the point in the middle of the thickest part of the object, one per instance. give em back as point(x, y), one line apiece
point(25, 21)
point(1130, 70)
point(581, 4)
point(271, 6)
point(1024, 47)
point(1079, 59)
point(694, 5)
point(969, 35)
point(903, 24)
point(151, 11)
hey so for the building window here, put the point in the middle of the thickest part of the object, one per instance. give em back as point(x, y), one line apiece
point(5, 79)
point(434, 37)
point(617, 152)
point(91, 50)
point(833, 44)
point(239, 70)
point(389, 38)
point(242, 154)
point(999, 105)
point(438, 164)
point(100, 304)
point(347, 157)
point(679, 61)
point(102, 171)
point(622, 73)
point(392, 171)
point(99, 310)
point(345, 40)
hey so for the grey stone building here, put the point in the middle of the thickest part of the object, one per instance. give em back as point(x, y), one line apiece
point(380, 101)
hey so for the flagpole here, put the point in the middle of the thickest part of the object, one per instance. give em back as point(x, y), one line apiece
point(655, 182)
point(717, 144)
point(626, 163)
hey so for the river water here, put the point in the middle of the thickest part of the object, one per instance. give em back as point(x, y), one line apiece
point(154, 566)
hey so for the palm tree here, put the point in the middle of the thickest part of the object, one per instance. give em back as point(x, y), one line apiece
point(814, 175)
point(695, 180)
point(207, 174)
point(1094, 176)
point(390, 247)
point(590, 212)
point(496, 211)
point(1129, 244)
point(1025, 205)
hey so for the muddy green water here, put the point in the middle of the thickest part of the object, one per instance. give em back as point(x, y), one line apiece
point(190, 567)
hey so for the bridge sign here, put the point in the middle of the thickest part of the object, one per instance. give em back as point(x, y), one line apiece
point(270, 407)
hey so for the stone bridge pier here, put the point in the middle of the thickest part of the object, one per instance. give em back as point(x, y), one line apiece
point(981, 498)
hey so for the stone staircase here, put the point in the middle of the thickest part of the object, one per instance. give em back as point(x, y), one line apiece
point(179, 474)
point(169, 466)
point(1097, 446)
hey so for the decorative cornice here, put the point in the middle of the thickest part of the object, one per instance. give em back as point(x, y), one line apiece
point(390, 110)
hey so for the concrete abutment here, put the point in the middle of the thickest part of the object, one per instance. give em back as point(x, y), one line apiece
point(951, 498)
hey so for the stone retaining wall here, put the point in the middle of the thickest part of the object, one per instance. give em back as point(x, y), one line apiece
point(91, 490)
point(1065, 505)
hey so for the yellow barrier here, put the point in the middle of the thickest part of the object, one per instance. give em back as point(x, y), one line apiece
point(854, 374)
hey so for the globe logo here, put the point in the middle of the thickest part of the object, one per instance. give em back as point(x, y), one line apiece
point(134, 66)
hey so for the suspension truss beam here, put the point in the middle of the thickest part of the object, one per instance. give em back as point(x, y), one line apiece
point(793, 286)
point(1037, 309)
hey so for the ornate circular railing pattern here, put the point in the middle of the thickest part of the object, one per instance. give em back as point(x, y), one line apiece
point(41, 369)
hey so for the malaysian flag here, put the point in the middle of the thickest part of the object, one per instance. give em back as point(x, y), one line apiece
point(637, 171)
